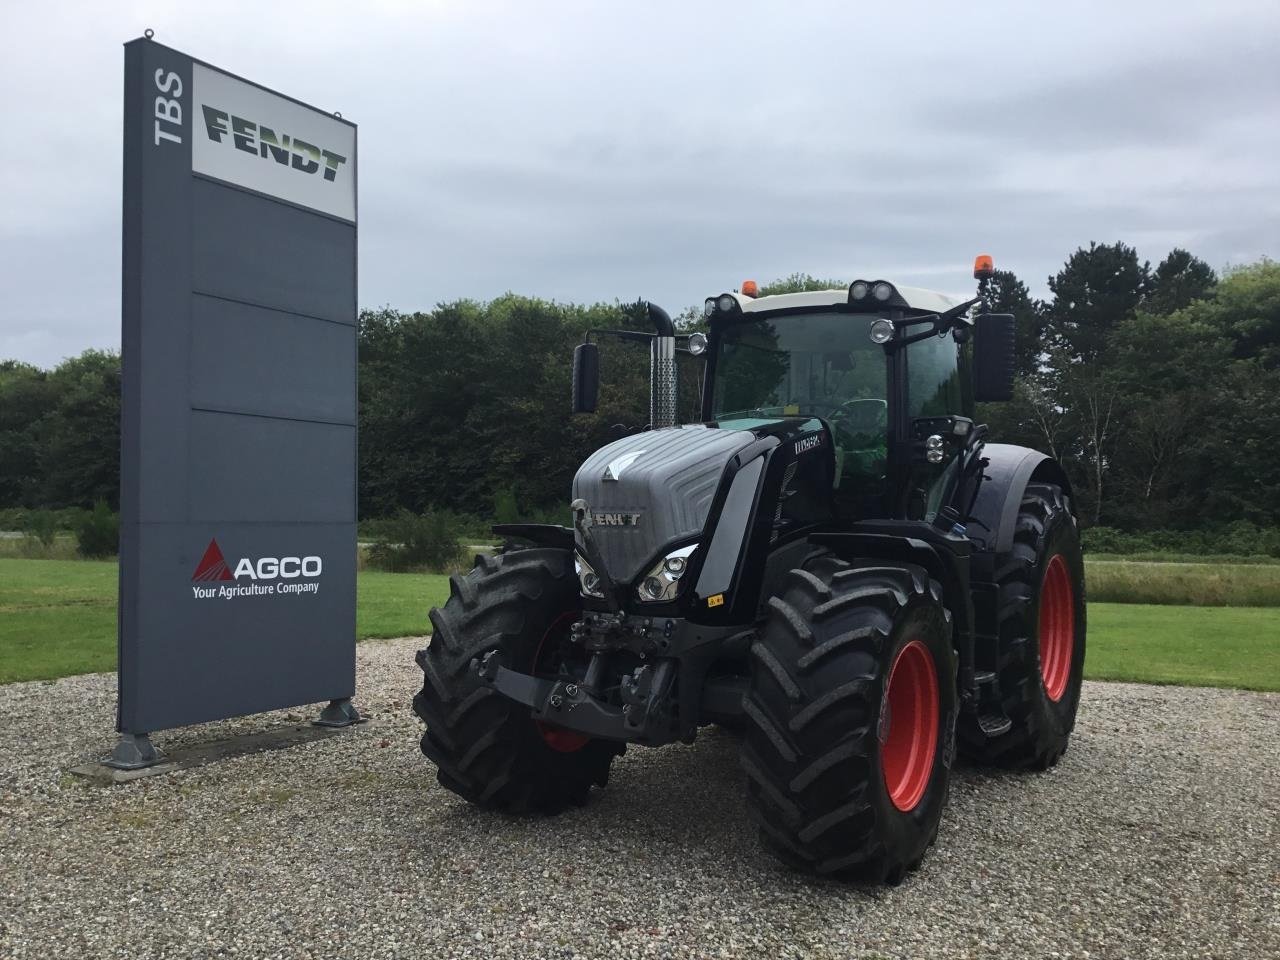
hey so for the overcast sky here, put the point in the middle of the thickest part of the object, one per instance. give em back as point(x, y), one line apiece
point(601, 151)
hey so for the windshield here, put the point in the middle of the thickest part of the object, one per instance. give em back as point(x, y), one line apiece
point(815, 364)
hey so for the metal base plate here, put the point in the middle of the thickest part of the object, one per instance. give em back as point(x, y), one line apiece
point(339, 713)
point(134, 752)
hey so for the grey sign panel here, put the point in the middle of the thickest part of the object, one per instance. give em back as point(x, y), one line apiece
point(238, 489)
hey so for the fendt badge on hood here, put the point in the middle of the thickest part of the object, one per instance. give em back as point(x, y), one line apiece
point(616, 519)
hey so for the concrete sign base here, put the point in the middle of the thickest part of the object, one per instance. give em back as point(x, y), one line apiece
point(107, 773)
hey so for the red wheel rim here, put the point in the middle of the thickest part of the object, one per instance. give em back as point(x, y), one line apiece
point(557, 738)
point(1057, 627)
point(910, 727)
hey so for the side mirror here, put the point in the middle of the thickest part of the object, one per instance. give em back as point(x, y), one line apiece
point(586, 377)
point(993, 357)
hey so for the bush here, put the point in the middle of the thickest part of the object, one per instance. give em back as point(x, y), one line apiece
point(473, 529)
point(98, 532)
point(505, 507)
point(12, 518)
point(41, 525)
point(559, 515)
point(411, 541)
point(1111, 540)
point(1239, 538)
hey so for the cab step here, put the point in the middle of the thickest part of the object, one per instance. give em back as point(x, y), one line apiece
point(988, 710)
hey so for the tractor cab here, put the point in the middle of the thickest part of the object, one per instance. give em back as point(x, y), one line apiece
point(878, 364)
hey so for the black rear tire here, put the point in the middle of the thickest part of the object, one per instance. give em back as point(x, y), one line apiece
point(817, 724)
point(488, 748)
point(1042, 723)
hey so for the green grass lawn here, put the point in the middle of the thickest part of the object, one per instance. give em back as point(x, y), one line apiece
point(1114, 580)
point(58, 617)
point(396, 604)
point(1192, 646)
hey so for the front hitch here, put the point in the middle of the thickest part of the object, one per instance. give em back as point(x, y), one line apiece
point(644, 717)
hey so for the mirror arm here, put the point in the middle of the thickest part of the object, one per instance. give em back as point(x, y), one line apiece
point(956, 313)
point(942, 322)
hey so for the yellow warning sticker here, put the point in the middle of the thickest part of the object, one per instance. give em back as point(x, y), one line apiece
point(791, 410)
point(716, 600)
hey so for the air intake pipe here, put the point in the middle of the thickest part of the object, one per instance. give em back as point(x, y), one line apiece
point(663, 384)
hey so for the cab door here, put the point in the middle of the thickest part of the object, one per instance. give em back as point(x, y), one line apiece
point(936, 386)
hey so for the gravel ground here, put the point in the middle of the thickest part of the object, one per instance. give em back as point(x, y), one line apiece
point(1156, 836)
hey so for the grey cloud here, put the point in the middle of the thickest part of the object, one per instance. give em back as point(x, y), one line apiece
point(608, 152)
point(1169, 98)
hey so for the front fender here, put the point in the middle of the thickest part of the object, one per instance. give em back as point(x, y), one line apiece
point(539, 534)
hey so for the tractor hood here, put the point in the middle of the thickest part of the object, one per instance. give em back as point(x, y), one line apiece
point(648, 490)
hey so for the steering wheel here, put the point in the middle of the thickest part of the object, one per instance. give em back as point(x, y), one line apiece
point(864, 415)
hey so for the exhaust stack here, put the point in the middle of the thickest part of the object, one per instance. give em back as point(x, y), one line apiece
point(663, 385)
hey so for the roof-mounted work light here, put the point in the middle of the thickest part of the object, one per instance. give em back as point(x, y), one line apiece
point(874, 294)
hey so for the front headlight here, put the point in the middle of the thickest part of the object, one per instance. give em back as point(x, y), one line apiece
point(663, 581)
point(588, 580)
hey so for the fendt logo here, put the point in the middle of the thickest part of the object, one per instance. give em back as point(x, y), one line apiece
point(616, 519)
point(261, 141)
point(213, 568)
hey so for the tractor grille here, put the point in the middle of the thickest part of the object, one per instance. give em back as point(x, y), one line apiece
point(666, 479)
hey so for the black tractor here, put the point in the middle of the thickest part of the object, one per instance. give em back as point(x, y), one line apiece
point(834, 562)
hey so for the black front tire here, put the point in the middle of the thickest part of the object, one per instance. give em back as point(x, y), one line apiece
point(488, 748)
point(1042, 723)
point(817, 725)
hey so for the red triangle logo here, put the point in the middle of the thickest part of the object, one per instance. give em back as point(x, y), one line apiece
point(212, 565)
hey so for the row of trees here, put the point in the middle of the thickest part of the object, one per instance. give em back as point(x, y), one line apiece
point(1158, 388)
point(60, 432)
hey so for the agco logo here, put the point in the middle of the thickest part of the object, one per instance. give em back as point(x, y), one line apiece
point(261, 141)
point(213, 568)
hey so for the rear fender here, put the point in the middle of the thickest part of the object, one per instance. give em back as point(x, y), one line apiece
point(1005, 475)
